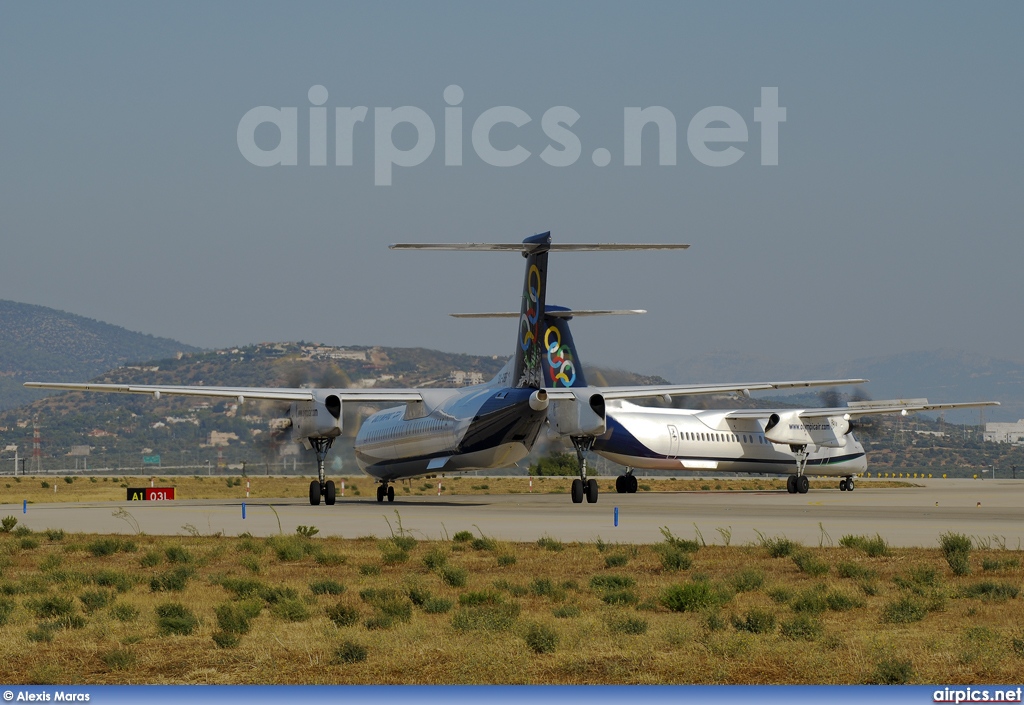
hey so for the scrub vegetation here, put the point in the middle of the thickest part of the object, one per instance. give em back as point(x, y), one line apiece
point(190, 609)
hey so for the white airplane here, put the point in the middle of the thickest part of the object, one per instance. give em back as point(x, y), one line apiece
point(484, 426)
point(792, 442)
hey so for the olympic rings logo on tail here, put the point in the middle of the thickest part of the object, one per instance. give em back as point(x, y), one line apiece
point(559, 358)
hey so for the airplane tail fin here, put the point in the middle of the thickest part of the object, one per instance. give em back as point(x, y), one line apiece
point(526, 370)
point(561, 364)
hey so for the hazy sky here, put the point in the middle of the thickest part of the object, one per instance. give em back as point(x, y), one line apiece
point(891, 223)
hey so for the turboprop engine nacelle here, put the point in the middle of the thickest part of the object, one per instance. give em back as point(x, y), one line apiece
point(584, 415)
point(790, 429)
point(319, 418)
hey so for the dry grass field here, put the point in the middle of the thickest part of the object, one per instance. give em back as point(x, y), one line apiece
point(83, 488)
point(306, 609)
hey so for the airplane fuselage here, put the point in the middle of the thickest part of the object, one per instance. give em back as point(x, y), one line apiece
point(680, 439)
point(475, 428)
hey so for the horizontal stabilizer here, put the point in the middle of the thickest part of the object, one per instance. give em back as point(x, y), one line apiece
point(528, 247)
point(553, 313)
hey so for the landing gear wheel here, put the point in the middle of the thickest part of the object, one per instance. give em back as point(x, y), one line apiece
point(843, 486)
point(791, 484)
point(314, 493)
point(849, 484)
point(380, 493)
point(591, 491)
point(620, 484)
point(576, 491)
point(803, 484)
point(330, 492)
point(633, 485)
point(391, 493)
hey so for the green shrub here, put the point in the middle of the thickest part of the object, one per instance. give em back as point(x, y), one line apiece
point(892, 671)
point(369, 569)
point(841, 602)
point(755, 621)
point(150, 559)
point(990, 590)
point(513, 589)
point(994, 564)
point(874, 547)
point(506, 559)
point(103, 547)
point(484, 543)
point(343, 615)
point(541, 638)
point(481, 597)
point(802, 626)
point(903, 611)
point(175, 618)
point(615, 560)
point(957, 550)
point(55, 534)
point(674, 542)
point(855, 571)
point(566, 612)
point(462, 536)
point(93, 600)
point(620, 597)
point(418, 594)
point(177, 554)
point(550, 544)
point(628, 625)
point(42, 633)
point(454, 576)
point(290, 610)
point(492, 618)
point(349, 652)
point(122, 582)
point(225, 640)
point(326, 587)
point(779, 547)
point(51, 606)
point(747, 580)
point(435, 558)
point(8, 523)
point(7, 606)
point(234, 617)
point(781, 594)
point(611, 582)
point(118, 659)
point(173, 580)
point(392, 554)
point(807, 563)
point(328, 559)
point(437, 605)
point(123, 612)
point(673, 559)
point(692, 597)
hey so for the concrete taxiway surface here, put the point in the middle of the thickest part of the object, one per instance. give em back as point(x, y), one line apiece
point(903, 516)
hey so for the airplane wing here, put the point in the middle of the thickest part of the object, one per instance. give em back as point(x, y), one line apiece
point(678, 390)
point(242, 393)
point(856, 409)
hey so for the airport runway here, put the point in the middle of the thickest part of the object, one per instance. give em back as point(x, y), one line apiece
point(904, 516)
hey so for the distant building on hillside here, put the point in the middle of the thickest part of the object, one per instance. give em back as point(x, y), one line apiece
point(1005, 432)
point(460, 378)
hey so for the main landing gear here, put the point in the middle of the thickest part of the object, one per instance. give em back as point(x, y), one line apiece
point(846, 484)
point(799, 482)
point(626, 484)
point(581, 486)
point(320, 488)
point(385, 490)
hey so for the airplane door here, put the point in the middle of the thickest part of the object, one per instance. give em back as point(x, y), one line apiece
point(673, 441)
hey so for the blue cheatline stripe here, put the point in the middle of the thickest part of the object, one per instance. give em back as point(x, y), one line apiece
point(495, 695)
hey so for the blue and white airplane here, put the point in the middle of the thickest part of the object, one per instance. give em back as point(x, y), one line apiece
point(485, 426)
